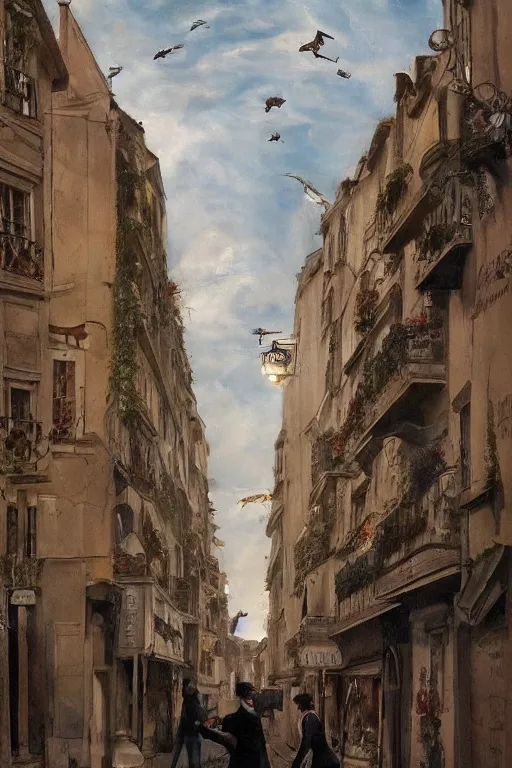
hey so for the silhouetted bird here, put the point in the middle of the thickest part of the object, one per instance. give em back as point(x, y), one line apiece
point(315, 45)
point(199, 23)
point(165, 51)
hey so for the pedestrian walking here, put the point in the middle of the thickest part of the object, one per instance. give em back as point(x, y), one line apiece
point(312, 736)
point(193, 717)
point(250, 750)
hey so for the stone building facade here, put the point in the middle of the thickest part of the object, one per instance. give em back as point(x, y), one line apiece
point(111, 589)
point(389, 573)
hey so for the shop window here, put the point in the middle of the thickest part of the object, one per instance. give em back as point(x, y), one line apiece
point(362, 696)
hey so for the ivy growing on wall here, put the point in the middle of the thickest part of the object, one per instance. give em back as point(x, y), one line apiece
point(127, 310)
point(366, 310)
point(313, 548)
point(394, 188)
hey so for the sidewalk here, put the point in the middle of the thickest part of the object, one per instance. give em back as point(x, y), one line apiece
point(279, 754)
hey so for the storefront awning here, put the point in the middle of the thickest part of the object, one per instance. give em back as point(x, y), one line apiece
point(483, 588)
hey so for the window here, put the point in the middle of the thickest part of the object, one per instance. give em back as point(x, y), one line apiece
point(64, 398)
point(12, 530)
point(17, 251)
point(358, 507)
point(342, 241)
point(124, 522)
point(20, 90)
point(19, 404)
point(465, 446)
point(15, 211)
point(31, 542)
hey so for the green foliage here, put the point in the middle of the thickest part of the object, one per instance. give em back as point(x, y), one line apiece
point(434, 240)
point(366, 311)
point(394, 188)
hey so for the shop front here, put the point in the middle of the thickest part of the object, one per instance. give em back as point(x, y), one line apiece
point(151, 662)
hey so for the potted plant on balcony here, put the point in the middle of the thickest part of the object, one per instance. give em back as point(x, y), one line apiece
point(394, 188)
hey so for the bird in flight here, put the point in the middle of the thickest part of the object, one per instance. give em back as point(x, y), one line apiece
point(199, 23)
point(165, 51)
point(275, 137)
point(315, 45)
point(310, 191)
point(274, 101)
point(261, 332)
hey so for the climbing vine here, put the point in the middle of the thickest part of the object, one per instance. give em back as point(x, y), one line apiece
point(380, 369)
point(128, 316)
point(313, 548)
point(366, 310)
point(394, 188)
point(493, 468)
point(434, 239)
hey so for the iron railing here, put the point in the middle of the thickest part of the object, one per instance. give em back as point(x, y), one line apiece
point(21, 256)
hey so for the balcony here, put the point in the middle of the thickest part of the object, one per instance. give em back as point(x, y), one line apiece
point(21, 573)
point(447, 236)
point(22, 446)
point(20, 92)
point(181, 594)
point(409, 367)
point(416, 544)
point(21, 256)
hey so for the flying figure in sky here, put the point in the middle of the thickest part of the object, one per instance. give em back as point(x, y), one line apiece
point(275, 136)
point(274, 101)
point(261, 332)
point(165, 51)
point(342, 73)
point(199, 23)
point(315, 45)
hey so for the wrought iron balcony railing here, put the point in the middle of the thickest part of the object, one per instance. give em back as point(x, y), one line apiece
point(20, 91)
point(21, 256)
point(21, 445)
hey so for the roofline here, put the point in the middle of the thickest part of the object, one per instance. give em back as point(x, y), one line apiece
point(60, 82)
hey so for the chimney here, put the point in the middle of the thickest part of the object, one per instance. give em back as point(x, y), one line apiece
point(63, 27)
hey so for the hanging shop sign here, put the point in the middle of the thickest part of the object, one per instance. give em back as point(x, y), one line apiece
point(131, 631)
point(277, 356)
point(23, 597)
point(320, 657)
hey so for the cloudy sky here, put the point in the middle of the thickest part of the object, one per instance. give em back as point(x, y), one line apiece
point(238, 230)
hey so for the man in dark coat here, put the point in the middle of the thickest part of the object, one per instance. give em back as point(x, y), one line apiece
point(193, 716)
point(245, 726)
point(312, 736)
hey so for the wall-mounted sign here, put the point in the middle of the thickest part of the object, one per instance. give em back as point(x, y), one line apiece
point(320, 657)
point(277, 356)
point(131, 634)
point(23, 597)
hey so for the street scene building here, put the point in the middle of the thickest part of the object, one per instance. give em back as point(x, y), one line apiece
point(110, 585)
point(389, 571)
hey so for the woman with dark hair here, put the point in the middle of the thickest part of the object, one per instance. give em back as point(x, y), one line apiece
point(249, 748)
point(312, 736)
